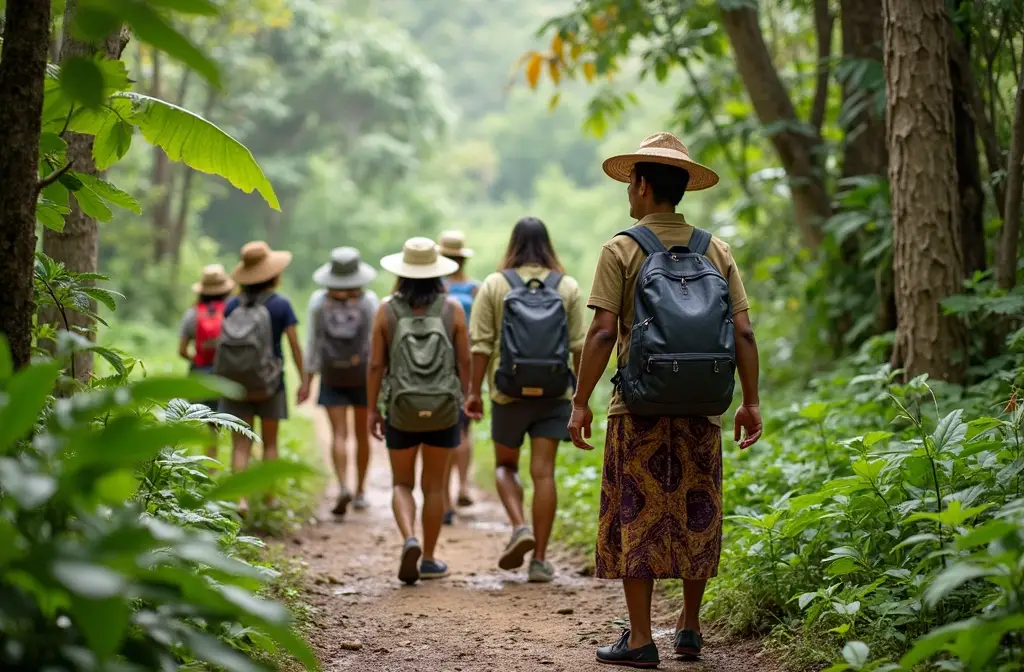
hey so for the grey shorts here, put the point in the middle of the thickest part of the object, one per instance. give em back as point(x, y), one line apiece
point(540, 418)
point(274, 408)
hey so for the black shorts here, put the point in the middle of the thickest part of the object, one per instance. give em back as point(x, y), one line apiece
point(397, 439)
point(540, 418)
point(331, 397)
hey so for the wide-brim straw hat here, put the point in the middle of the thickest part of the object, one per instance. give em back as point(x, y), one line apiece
point(453, 244)
point(420, 258)
point(214, 281)
point(260, 263)
point(662, 148)
point(345, 270)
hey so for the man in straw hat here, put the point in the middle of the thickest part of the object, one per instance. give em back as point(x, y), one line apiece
point(338, 347)
point(201, 325)
point(661, 494)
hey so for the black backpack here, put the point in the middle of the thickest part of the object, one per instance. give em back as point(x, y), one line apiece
point(534, 361)
point(682, 349)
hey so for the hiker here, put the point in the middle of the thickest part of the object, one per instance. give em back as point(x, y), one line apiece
point(419, 354)
point(249, 351)
point(338, 347)
point(679, 319)
point(527, 321)
point(463, 288)
point(201, 325)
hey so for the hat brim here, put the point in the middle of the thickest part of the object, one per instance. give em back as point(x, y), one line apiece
point(701, 177)
point(443, 266)
point(268, 269)
point(362, 277)
point(224, 287)
point(457, 253)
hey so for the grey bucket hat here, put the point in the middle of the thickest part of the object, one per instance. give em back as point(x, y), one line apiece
point(345, 270)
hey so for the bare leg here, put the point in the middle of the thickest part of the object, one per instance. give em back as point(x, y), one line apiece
point(241, 451)
point(510, 488)
point(362, 433)
point(463, 456)
point(693, 595)
point(403, 480)
point(211, 448)
point(436, 462)
point(545, 493)
point(268, 428)
point(638, 603)
point(338, 415)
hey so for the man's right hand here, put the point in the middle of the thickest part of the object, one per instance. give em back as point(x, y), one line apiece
point(579, 426)
point(748, 421)
point(474, 407)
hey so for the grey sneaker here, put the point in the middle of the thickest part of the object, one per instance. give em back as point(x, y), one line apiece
point(541, 571)
point(433, 569)
point(360, 503)
point(521, 543)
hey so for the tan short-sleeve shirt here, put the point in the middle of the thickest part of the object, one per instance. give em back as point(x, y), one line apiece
point(489, 309)
point(619, 265)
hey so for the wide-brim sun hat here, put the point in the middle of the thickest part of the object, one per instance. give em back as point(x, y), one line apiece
point(260, 263)
point(453, 244)
point(420, 258)
point(345, 270)
point(214, 281)
point(662, 148)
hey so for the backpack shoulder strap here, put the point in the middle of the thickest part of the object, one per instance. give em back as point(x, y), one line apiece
point(645, 238)
point(554, 277)
point(514, 279)
point(699, 241)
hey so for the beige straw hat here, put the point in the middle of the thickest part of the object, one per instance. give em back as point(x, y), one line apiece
point(215, 280)
point(453, 244)
point(345, 270)
point(662, 148)
point(420, 258)
point(260, 263)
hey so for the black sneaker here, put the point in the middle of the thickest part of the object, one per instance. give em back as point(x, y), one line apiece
point(688, 643)
point(344, 499)
point(449, 517)
point(619, 653)
point(521, 543)
point(409, 566)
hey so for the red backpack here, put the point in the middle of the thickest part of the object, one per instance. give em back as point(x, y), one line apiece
point(209, 317)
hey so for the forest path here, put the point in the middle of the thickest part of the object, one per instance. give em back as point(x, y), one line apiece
point(479, 618)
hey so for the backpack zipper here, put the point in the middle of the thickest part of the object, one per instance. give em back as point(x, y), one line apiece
point(675, 359)
point(682, 276)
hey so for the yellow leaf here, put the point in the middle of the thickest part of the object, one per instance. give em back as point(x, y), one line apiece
point(599, 23)
point(589, 70)
point(575, 51)
point(558, 46)
point(553, 103)
point(554, 71)
point(533, 69)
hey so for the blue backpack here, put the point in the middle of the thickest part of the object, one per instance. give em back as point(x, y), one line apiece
point(463, 291)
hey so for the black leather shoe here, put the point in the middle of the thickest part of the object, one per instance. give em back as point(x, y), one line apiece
point(619, 653)
point(689, 643)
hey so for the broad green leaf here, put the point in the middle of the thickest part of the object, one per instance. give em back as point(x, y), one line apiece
point(51, 215)
point(936, 641)
point(6, 363)
point(842, 566)
point(869, 469)
point(51, 143)
point(850, 609)
point(814, 412)
point(92, 205)
point(841, 629)
point(915, 539)
point(114, 135)
point(103, 622)
point(93, 582)
point(117, 486)
point(952, 578)
point(985, 534)
point(979, 426)
point(212, 650)
point(29, 489)
point(1010, 471)
point(128, 440)
point(950, 431)
point(27, 391)
point(871, 438)
point(198, 387)
point(805, 599)
point(108, 192)
point(208, 554)
point(197, 143)
point(82, 81)
point(259, 478)
point(856, 654)
point(265, 610)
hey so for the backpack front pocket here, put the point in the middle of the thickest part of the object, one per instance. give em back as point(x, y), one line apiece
point(687, 384)
point(534, 378)
point(420, 412)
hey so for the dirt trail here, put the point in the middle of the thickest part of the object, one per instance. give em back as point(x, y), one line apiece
point(480, 618)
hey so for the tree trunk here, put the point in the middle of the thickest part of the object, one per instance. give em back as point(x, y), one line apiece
point(797, 148)
point(922, 178)
point(968, 166)
point(1009, 238)
point(22, 69)
point(161, 180)
point(77, 246)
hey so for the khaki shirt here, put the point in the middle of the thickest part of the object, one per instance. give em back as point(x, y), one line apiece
point(489, 308)
point(619, 265)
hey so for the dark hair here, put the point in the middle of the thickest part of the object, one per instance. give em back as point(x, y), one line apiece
point(260, 287)
point(461, 261)
point(530, 244)
point(668, 183)
point(418, 292)
point(210, 298)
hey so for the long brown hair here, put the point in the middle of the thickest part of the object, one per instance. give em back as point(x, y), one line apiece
point(530, 244)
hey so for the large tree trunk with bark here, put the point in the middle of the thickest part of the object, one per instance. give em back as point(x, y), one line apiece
point(77, 246)
point(922, 177)
point(1009, 238)
point(797, 149)
point(22, 69)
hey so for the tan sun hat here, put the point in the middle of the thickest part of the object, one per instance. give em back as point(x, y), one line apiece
point(345, 270)
point(662, 148)
point(215, 281)
point(453, 244)
point(260, 263)
point(420, 258)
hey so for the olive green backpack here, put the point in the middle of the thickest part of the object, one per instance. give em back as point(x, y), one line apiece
point(423, 388)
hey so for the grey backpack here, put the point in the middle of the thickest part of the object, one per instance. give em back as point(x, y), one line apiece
point(245, 351)
point(534, 360)
point(423, 389)
point(344, 343)
point(682, 352)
